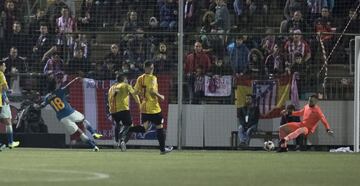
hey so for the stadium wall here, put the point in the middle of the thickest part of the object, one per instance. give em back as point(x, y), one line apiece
point(211, 125)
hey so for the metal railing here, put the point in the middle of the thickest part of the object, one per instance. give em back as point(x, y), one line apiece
point(339, 88)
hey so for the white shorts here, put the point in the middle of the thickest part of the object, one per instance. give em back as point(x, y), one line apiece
point(5, 112)
point(69, 122)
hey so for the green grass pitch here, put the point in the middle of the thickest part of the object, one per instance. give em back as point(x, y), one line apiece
point(72, 167)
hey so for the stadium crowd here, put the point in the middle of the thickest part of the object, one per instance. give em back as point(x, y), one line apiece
point(218, 39)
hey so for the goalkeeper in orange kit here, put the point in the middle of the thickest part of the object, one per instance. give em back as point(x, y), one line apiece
point(311, 114)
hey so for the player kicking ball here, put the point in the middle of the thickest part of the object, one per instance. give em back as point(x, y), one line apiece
point(69, 117)
point(311, 114)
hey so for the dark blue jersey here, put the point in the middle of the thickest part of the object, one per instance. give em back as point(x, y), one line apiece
point(58, 102)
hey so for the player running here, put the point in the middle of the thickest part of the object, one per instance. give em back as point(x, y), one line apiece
point(118, 99)
point(147, 87)
point(68, 116)
point(311, 115)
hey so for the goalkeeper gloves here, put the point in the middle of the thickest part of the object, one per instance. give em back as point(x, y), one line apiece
point(329, 131)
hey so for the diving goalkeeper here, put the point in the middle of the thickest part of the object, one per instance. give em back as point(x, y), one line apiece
point(311, 114)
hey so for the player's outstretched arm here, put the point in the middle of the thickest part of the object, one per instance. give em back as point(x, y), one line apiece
point(41, 106)
point(71, 82)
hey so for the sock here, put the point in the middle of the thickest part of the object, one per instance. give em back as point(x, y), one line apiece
point(137, 128)
point(9, 133)
point(89, 127)
point(117, 130)
point(161, 138)
point(86, 139)
point(124, 133)
point(294, 134)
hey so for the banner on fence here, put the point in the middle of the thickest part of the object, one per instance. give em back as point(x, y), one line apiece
point(270, 95)
point(218, 86)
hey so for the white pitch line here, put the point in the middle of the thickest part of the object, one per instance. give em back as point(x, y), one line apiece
point(88, 175)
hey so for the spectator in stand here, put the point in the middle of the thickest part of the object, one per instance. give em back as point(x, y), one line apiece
point(125, 68)
point(198, 86)
point(168, 16)
point(53, 70)
point(275, 62)
point(297, 46)
point(222, 17)
point(17, 38)
point(65, 24)
point(293, 5)
point(161, 60)
point(100, 72)
point(196, 58)
point(210, 42)
point(154, 27)
point(135, 54)
point(87, 19)
point(54, 65)
point(195, 62)
point(190, 14)
point(238, 54)
point(219, 68)
point(211, 5)
point(326, 23)
point(81, 43)
point(14, 64)
point(42, 44)
point(53, 12)
point(298, 55)
point(9, 16)
point(239, 7)
point(113, 60)
point(132, 23)
point(315, 7)
point(78, 65)
point(252, 11)
point(207, 19)
point(268, 43)
point(295, 23)
point(256, 67)
point(36, 21)
point(354, 27)
point(251, 41)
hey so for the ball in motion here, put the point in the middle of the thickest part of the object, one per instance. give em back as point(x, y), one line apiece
point(269, 145)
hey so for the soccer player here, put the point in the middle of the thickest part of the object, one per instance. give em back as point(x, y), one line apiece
point(5, 113)
point(311, 114)
point(118, 99)
point(68, 116)
point(147, 87)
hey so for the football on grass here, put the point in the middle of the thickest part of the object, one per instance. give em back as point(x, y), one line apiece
point(269, 145)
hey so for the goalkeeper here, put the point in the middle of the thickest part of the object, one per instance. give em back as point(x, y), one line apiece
point(311, 114)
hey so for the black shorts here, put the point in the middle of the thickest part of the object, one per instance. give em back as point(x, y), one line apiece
point(123, 116)
point(156, 119)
